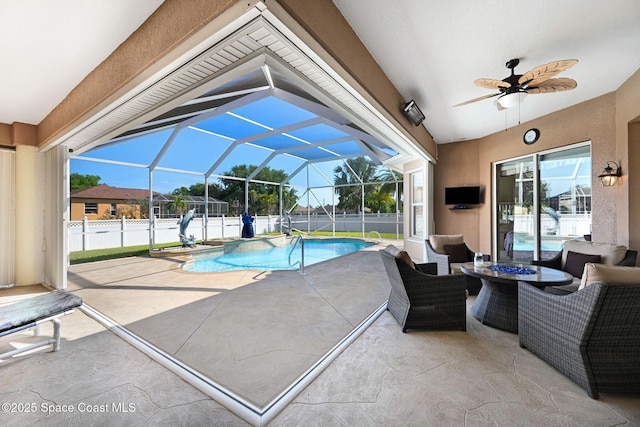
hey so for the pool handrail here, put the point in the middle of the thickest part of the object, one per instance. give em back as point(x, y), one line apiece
point(297, 239)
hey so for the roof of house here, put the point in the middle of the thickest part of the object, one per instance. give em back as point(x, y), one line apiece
point(104, 191)
point(107, 192)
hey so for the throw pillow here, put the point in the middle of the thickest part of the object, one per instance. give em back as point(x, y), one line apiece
point(576, 261)
point(607, 273)
point(404, 256)
point(457, 253)
point(439, 240)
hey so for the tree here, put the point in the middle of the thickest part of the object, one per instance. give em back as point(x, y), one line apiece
point(355, 172)
point(177, 203)
point(388, 186)
point(78, 182)
point(263, 198)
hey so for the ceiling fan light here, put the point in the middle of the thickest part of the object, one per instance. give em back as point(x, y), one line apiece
point(511, 99)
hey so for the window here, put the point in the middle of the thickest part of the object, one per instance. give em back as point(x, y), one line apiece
point(417, 204)
point(90, 208)
point(114, 209)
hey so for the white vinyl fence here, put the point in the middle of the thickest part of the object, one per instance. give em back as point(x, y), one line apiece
point(102, 234)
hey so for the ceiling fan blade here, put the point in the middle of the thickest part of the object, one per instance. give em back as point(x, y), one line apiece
point(477, 99)
point(544, 72)
point(552, 85)
point(492, 83)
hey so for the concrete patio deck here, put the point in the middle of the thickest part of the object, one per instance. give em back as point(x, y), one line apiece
point(385, 377)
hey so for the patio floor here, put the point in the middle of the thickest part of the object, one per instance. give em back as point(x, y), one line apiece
point(385, 377)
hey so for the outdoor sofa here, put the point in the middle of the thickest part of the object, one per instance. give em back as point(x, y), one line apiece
point(576, 253)
point(591, 335)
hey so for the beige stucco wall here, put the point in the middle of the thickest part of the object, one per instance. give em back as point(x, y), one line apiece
point(594, 120)
point(628, 154)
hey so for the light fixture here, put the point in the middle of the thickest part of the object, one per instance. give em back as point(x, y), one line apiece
point(413, 112)
point(609, 175)
point(512, 99)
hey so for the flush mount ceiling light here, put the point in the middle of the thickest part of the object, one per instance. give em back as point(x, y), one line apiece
point(609, 175)
point(512, 99)
point(413, 112)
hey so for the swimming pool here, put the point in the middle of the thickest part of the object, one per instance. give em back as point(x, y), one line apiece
point(277, 258)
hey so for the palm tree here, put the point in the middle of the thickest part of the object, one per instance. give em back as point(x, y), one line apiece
point(177, 203)
point(354, 172)
point(389, 179)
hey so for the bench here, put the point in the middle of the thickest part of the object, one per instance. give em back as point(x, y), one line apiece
point(32, 312)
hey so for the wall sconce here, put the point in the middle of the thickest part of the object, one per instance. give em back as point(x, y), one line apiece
point(413, 113)
point(609, 175)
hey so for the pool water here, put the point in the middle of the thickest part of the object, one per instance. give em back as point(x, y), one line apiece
point(277, 258)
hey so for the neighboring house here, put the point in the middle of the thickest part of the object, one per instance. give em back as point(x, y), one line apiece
point(106, 202)
point(162, 206)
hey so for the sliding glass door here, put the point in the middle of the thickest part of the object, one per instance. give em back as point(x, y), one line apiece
point(541, 201)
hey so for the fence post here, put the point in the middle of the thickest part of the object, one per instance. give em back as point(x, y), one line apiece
point(85, 226)
point(122, 227)
point(222, 222)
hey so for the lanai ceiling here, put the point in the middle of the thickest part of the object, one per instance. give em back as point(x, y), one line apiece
point(432, 51)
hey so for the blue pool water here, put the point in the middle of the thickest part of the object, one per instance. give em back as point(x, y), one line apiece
point(277, 258)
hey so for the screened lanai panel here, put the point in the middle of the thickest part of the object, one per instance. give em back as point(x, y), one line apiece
point(317, 133)
point(273, 112)
point(230, 126)
point(194, 151)
point(141, 150)
point(314, 154)
point(349, 148)
point(243, 154)
point(287, 163)
point(280, 142)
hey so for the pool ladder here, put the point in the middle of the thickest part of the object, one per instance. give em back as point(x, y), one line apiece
point(297, 239)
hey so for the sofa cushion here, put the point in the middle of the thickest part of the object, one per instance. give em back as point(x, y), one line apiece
point(457, 252)
point(595, 273)
point(576, 261)
point(439, 240)
point(609, 254)
point(404, 257)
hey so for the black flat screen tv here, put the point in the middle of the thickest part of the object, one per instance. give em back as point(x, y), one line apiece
point(461, 197)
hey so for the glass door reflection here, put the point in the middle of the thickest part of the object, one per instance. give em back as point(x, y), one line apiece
point(515, 188)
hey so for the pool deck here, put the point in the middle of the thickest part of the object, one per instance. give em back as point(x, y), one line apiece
point(236, 327)
point(474, 378)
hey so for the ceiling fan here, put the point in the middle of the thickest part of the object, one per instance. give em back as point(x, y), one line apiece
point(514, 88)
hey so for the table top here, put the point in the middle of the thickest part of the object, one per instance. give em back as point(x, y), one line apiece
point(543, 276)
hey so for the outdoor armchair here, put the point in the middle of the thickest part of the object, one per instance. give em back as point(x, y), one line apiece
point(449, 251)
point(423, 301)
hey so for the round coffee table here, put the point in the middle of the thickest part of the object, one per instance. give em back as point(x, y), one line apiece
point(497, 303)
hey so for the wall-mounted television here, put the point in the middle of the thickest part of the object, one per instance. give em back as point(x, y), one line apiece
point(462, 197)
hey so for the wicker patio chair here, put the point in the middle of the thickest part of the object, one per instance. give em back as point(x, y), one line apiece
point(592, 335)
point(424, 301)
point(435, 252)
